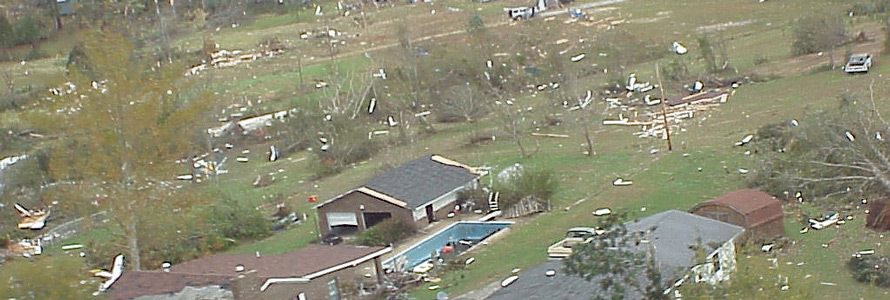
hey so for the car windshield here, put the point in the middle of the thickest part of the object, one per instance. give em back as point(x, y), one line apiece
point(578, 234)
point(857, 59)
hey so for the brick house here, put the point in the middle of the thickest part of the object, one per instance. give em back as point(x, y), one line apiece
point(759, 213)
point(418, 192)
point(314, 272)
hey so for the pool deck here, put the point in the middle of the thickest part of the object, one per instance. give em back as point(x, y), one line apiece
point(426, 231)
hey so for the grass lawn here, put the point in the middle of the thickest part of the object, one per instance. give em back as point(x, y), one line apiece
point(664, 180)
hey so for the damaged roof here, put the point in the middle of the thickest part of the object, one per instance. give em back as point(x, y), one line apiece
point(675, 231)
point(422, 180)
point(757, 207)
point(306, 261)
point(133, 284)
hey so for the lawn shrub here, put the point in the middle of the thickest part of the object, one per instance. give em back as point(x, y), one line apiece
point(385, 233)
point(539, 184)
point(871, 269)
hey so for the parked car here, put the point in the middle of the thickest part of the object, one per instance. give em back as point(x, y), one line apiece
point(574, 236)
point(858, 63)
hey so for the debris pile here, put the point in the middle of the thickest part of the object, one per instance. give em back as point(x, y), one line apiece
point(639, 109)
point(224, 58)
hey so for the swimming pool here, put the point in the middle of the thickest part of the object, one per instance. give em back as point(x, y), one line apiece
point(470, 232)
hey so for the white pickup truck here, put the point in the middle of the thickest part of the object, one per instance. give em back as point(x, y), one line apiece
point(858, 63)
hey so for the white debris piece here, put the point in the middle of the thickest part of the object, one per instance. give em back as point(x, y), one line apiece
point(743, 171)
point(602, 212)
point(678, 48)
point(185, 177)
point(850, 136)
point(767, 247)
point(379, 74)
point(621, 182)
point(509, 280)
point(372, 105)
point(241, 159)
point(273, 153)
point(391, 121)
point(578, 57)
point(826, 221)
point(422, 114)
point(116, 271)
point(794, 123)
point(72, 247)
point(745, 140)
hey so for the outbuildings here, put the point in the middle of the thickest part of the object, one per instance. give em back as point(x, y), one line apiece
point(417, 192)
point(759, 213)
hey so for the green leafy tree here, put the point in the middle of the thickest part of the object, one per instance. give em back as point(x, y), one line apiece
point(27, 31)
point(236, 219)
point(122, 136)
point(7, 35)
point(615, 260)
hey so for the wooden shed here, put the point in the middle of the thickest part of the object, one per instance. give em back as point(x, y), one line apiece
point(759, 213)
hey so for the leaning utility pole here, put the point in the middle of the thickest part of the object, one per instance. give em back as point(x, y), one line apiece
point(667, 128)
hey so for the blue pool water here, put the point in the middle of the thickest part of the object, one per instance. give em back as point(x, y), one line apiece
point(468, 231)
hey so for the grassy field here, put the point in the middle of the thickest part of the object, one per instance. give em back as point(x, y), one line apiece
point(664, 180)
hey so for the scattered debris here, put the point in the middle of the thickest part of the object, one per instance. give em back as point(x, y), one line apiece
point(273, 153)
point(26, 247)
point(826, 220)
point(72, 247)
point(470, 261)
point(31, 219)
point(678, 48)
point(117, 270)
point(224, 58)
point(767, 247)
point(550, 273)
point(602, 212)
point(552, 135)
point(745, 140)
point(621, 182)
point(578, 57)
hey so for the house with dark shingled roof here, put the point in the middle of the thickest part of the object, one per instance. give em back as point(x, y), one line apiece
point(418, 192)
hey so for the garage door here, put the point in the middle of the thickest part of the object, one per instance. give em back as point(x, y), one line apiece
point(337, 219)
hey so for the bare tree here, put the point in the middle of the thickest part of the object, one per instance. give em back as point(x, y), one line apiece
point(461, 102)
point(830, 154)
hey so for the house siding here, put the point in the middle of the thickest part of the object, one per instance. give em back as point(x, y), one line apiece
point(352, 202)
point(718, 266)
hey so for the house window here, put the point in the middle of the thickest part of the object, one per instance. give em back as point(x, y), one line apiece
point(333, 291)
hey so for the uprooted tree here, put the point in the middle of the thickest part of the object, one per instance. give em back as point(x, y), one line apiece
point(840, 155)
point(615, 259)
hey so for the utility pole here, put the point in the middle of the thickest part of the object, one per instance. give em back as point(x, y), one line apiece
point(667, 128)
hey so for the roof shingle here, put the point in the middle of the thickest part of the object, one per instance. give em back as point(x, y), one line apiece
point(422, 180)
